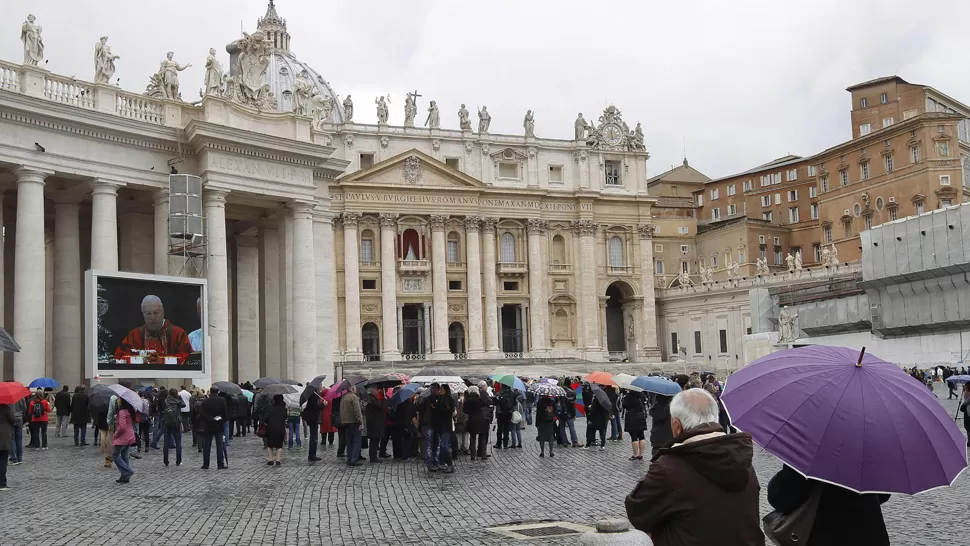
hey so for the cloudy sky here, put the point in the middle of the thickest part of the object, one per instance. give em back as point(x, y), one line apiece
point(742, 82)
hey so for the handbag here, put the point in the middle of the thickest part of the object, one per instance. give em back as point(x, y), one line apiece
point(794, 528)
point(261, 431)
point(516, 417)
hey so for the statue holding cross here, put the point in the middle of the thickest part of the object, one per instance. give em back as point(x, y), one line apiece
point(410, 108)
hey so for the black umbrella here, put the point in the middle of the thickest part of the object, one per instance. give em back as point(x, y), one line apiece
point(318, 380)
point(601, 396)
point(308, 391)
point(99, 396)
point(264, 382)
point(433, 371)
point(289, 382)
point(471, 380)
point(354, 379)
point(228, 387)
point(8, 343)
point(383, 382)
point(278, 388)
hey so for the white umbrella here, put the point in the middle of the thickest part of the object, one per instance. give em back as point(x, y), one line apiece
point(625, 381)
point(437, 379)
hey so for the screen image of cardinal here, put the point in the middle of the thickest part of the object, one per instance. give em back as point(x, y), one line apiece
point(157, 334)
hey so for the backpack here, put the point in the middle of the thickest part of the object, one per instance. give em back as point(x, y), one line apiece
point(38, 409)
point(505, 403)
point(171, 416)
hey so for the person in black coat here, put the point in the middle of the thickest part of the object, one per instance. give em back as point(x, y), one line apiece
point(275, 420)
point(213, 413)
point(243, 416)
point(545, 424)
point(844, 518)
point(597, 418)
point(635, 422)
point(62, 405)
point(966, 410)
point(311, 415)
point(477, 426)
point(660, 433)
point(442, 407)
point(375, 413)
point(404, 429)
point(79, 416)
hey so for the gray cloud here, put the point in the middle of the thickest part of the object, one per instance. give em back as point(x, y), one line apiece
point(743, 82)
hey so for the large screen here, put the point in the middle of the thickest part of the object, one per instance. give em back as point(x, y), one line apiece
point(145, 326)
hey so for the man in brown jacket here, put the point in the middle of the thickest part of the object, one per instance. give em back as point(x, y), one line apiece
point(701, 490)
point(351, 419)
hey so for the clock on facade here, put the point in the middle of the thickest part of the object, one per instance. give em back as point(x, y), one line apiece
point(612, 134)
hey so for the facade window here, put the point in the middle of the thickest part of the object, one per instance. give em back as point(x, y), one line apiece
point(814, 209)
point(914, 154)
point(722, 337)
point(817, 251)
point(828, 234)
point(892, 214)
point(697, 342)
point(792, 195)
point(889, 163)
point(716, 194)
point(715, 214)
point(763, 252)
point(613, 173)
point(452, 251)
point(368, 284)
point(684, 249)
point(714, 260)
point(777, 198)
point(766, 216)
point(559, 249)
point(792, 174)
point(765, 180)
point(616, 251)
point(747, 185)
point(732, 210)
point(685, 267)
point(509, 171)
point(700, 199)
point(453, 162)
point(812, 192)
point(887, 122)
point(863, 103)
point(864, 171)
point(765, 200)
point(919, 207)
point(844, 177)
point(812, 170)
point(674, 345)
point(659, 267)
point(847, 228)
point(868, 222)
point(555, 174)
point(946, 203)
point(883, 98)
point(367, 249)
point(966, 172)
point(963, 130)
point(942, 149)
point(793, 215)
point(508, 248)
point(776, 178)
point(825, 183)
point(366, 161)
point(731, 190)
point(683, 230)
point(865, 129)
point(778, 257)
point(454, 285)
point(944, 180)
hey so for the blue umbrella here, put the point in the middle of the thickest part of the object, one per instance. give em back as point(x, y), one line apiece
point(405, 392)
point(43, 383)
point(958, 379)
point(657, 385)
point(509, 380)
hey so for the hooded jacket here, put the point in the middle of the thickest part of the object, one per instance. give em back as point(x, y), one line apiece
point(700, 491)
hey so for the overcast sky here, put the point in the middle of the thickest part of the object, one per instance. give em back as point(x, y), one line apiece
point(743, 81)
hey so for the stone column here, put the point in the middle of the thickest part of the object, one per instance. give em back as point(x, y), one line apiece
point(269, 298)
point(304, 301)
point(590, 305)
point(499, 323)
point(389, 311)
point(161, 232)
point(526, 329)
point(29, 308)
point(218, 285)
point(492, 349)
point(537, 292)
point(326, 309)
point(473, 260)
point(426, 316)
point(647, 334)
point(247, 307)
point(104, 225)
point(68, 328)
point(439, 285)
point(352, 286)
point(286, 291)
point(400, 326)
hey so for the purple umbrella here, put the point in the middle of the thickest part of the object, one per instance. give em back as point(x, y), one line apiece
point(848, 419)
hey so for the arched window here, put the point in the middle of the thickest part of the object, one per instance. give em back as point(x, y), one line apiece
point(367, 246)
point(454, 247)
point(616, 251)
point(558, 250)
point(410, 245)
point(508, 248)
point(560, 325)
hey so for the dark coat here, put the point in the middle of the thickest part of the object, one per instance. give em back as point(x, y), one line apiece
point(313, 409)
point(209, 409)
point(700, 493)
point(635, 419)
point(442, 407)
point(844, 518)
point(660, 433)
point(79, 409)
point(404, 415)
point(375, 415)
point(62, 403)
point(966, 414)
point(276, 426)
point(475, 408)
point(6, 427)
point(545, 419)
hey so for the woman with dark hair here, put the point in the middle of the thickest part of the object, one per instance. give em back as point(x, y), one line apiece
point(635, 418)
point(545, 423)
point(123, 438)
point(275, 431)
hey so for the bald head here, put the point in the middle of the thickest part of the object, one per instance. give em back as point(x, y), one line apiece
point(691, 409)
point(153, 313)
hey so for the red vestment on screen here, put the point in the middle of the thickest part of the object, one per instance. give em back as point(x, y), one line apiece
point(170, 340)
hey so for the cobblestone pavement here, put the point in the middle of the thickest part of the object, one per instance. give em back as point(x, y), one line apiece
point(64, 496)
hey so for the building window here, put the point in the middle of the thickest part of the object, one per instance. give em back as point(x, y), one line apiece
point(889, 163)
point(946, 203)
point(732, 210)
point(366, 161)
point(792, 174)
point(919, 207)
point(555, 174)
point(367, 246)
point(765, 180)
point(914, 154)
point(674, 345)
point(814, 210)
point(684, 249)
point(825, 183)
point(883, 98)
point(715, 214)
point(765, 200)
point(868, 222)
point(368, 284)
point(847, 228)
point(659, 267)
point(558, 249)
point(892, 214)
point(616, 251)
point(508, 248)
point(716, 194)
point(844, 177)
point(865, 129)
point(778, 255)
point(966, 172)
point(722, 337)
point(731, 190)
point(452, 251)
point(697, 342)
point(713, 260)
point(887, 122)
point(685, 267)
point(828, 234)
point(613, 173)
point(510, 286)
point(763, 252)
point(454, 285)
point(863, 103)
point(747, 185)
point(777, 198)
point(817, 251)
point(453, 162)
point(776, 178)
point(811, 170)
point(683, 230)
point(509, 171)
point(942, 149)
point(700, 199)
point(812, 192)
point(766, 216)
point(864, 171)
point(792, 195)
point(944, 180)
point(793, 215)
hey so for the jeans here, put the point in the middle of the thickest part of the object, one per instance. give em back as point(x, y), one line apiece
point(440, 442)
point(207, 438)
point(293, 423)
point(4, 455)
point(563, 423)
point(120, 456)
point(430, 456)
point(159, 430)
point(528, 414)
point(80, 432)
point(516, 429)
point(62, 422)
point(353, 442)
point(226, 432)
point(38, 434)
point(616, 429)
point(314, 433)
point(17, 444)
point(173, 436)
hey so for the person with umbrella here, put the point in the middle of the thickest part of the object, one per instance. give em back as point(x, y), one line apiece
point(474, 407)
point(276, 426)
point(19, 408)
point(442, 408)
point(660, 432)
point(597, 416)
point(966, 411)
point(62, 406)
point(327, 428)
point(123, 438)
point(80, 416)
point(402, 404)
point(545, 423)
point(375, 411)
point(311, 415)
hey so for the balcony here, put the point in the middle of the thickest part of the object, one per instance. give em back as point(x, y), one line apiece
point(619, 270)
point(456, 266)
point(560, 269)
point(421, 267)
point(369, 265)
point(511, 269)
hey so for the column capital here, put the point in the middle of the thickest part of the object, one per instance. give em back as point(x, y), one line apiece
point(584, 227)
point(646, 231)
point(472, 223)
point(536, 225)
point(426, 304)
point(388, 220)
point(437, 222)
point(301, 209)
point(100, 186)
point(215, 196)
point(160, 196)
point(26, 174)
point(350, 219)
point(323, 215)
point(488, 224)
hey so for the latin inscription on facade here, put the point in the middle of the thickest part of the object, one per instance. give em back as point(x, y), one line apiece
point(459, 200)
point(259, 169)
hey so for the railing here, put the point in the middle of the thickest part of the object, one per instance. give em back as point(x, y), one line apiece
point(780, 278)
point(619, 269)
point(9, 77)
point(415, 356)
point(364, 264)
point(456, 266)
point(413, 265)
point(69, 91)
point(560, 268)
point(618, 356)
point(460, 356)
point(511, 267)
point(138, 107)
point(372, 358)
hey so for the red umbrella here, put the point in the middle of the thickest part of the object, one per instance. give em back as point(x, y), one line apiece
point(601, 378)
point(12, 392)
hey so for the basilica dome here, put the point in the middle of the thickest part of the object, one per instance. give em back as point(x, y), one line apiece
point(284, 68)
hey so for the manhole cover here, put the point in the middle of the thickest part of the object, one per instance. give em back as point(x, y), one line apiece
point(552, 530)
point(535, 530)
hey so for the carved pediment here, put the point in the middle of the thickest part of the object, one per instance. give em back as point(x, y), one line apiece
point(945, 192)
point(508, 154)
point(918, 198)
point(411, 168)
